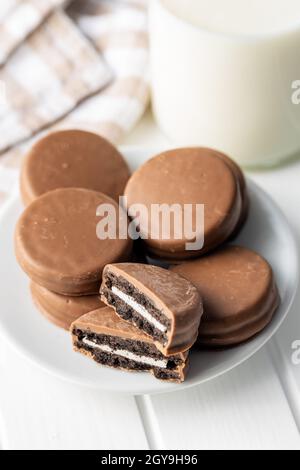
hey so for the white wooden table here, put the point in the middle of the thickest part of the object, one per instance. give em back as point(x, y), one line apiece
point(256, 406)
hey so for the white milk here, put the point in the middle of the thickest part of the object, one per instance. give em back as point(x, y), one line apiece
point(223, 74)
point(238, 16)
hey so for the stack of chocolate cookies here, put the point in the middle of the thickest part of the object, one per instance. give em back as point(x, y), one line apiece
point(64, 178)
point(140, 316)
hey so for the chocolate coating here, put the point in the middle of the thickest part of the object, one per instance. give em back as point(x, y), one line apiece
point(75, 159)
point(175, 298)
point(242, 187)
point(189, 176)
point(63, 310)
point(56, 242)
point(105, 321)
point(239, 294)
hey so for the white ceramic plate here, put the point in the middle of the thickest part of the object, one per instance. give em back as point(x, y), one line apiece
point(266, 231)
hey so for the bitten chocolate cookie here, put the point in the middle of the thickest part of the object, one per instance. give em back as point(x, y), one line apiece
point(110, 341)
point(57, 245)
point(160, 303)
point(188, 176)
point(62, 310)
point(73, 159)
point(239, 294)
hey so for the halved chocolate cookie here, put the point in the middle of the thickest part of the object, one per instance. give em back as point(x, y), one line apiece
point(160, 303)
point(239, 294)
point(110, 341)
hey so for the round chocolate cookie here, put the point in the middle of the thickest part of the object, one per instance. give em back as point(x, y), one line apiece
point(73, 159)
point(239, 294)
point(190, 176)
point(242, 187)
point(57, 245)
point(63, 310)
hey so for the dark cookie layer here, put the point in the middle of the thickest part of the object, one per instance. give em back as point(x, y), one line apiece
point(128, 313)
point(162, 305)
point(103, 328)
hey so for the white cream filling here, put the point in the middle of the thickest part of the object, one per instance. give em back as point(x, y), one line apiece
point(139, 309)
point(129, 355)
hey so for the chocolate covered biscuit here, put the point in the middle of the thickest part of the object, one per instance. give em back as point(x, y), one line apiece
point(57, 245)
point(73, 159)
point(110, 341)
point(242, 185)
point(160, 303)
point(190, 176)
point(239, 292)
point(62, 310)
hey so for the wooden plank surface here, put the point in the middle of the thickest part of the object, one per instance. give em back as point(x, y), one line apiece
point(244, 409)
point(38, 411)
point(283, 184)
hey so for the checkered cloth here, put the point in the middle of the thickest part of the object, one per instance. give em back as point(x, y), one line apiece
point(18, 18)
point(83, 67)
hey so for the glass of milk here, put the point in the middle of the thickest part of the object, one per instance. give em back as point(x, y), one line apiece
point(226, 74)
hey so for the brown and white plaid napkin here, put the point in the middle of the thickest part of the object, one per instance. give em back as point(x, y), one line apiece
point(18, 18)
point(86, 67)
point(48, 75)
